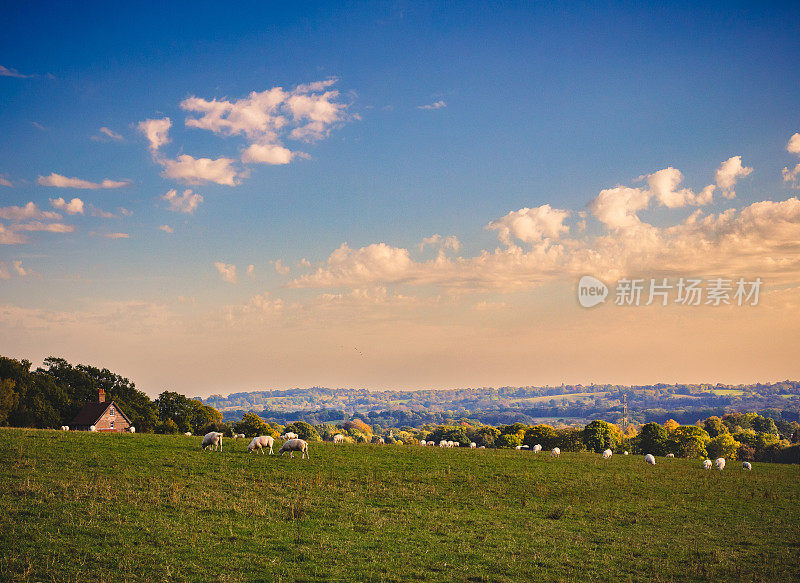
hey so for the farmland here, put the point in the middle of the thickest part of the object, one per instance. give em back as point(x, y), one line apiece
point(135, 507)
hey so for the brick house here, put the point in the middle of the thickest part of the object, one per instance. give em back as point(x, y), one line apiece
point(104, 416)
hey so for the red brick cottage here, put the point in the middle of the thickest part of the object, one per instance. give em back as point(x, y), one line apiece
point(102, 415)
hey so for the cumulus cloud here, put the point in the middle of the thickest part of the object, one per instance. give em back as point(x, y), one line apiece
point(59, 181)
point(73, 207)
point(281, 268)
point(167, 229)
point(531, 225)
point(182, 203)
point(794, 148)
point(268, 154)
point(46, 227)
point(21, 271)
point(11, 237)
point(29, 211)
point(226, 271)
point(441, 243)
point(729, 173)
point(156, 131)
point(202, 170)
point(438, 105)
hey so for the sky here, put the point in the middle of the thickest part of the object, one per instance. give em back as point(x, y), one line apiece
point(401, 195)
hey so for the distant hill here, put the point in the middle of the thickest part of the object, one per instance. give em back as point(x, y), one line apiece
point(569, 403)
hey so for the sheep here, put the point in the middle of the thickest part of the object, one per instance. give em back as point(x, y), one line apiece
point(293, 445)
point(456, 444)
point(518, 447)
point(606, 454)
point(338, 438)
point(423, 443)
point(670, 455)
point(450, 444)
point(625, 453)
point(537, 448)
point(65, 428)
point(526, 447)
point(92, 428)
point(482, 447)
point(238, 435)
point(212, 439)
point(720, 463)
point(746, 466)
point(430, 444)
point(261, 442)
point(289, 435)
point(188, 434)
point(556, 452)
point(650, 459)
point(473, 445)
point(132, 429)
point(707, 464)
point(443, 443)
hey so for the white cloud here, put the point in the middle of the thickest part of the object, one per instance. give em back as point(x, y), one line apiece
point(59, 181)
point(10, 237)
point(115, 235)
point(167, 229)
point(618, 207)
point(182, 203)
point(531, 225)
point(156, 131)
point(21, 271)
point(793, 147)
point(4, 181)
point(267, 154)
point(46, 227)
point(728, 173)
point(6, 72)
point(281, 268)
point(226, 271)
point(107, 134)
point(202, 170)
point(442, 243)
point(438, 105)
point(73, 207)
point(29, 211)
point(794, 144)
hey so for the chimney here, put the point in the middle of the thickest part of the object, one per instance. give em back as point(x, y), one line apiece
point(101, 397)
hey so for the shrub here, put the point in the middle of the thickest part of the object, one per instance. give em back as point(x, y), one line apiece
point(252, 425)
point(167, 427)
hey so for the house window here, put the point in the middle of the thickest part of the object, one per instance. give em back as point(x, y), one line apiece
point(112, 425)
point(111, 412)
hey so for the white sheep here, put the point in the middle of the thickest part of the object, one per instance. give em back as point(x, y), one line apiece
point(212, 439)
point(92, 428)
point(556, 452)
point(65, 428)
point(294, 445)
point(670, 455)
point(746, 466)
point(537, 448)
point(423, 443)
point(442, 443)
point(720, 463)
point(261, 442)
point(289, 435)
point(526, 447)
point(650, 459)
point(132, 429)
point(430, 443)
point(450, 444)
point(606, 454)
point(473, 445)
point(482, 447)
point(338, 438)
point(625, 453)
point(188, 434)
point(707, 464)
point(456, 444)
point(518, 447)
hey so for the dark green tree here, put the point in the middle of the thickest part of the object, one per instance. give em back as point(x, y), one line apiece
point(543, 435)
point(600, 435)
point(652, 439)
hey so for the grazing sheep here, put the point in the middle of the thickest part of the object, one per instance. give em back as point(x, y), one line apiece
point(261, 442)
point(188, 434)
point(482, 447)
point(526, 447)
point(473, 445)
point(430, 444)
point(338, 438)
point(423, 443)
point(720, 463)
point(132, 429)
point(650, 459)
point(442, 443)
point(625, 453)
point(746, 466)
point(518, 447)
point(238, 435)
point(65, 428)
point(450, 444)
point(707, 464)
point(670, 455)
point(537, 448)
point(92, 428)
point(456, 444)
point(606, 454)
point(289, 435)
point(556, 452)
point(212, 439)
point(294, 445)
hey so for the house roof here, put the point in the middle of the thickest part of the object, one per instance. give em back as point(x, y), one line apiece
point(91, 412)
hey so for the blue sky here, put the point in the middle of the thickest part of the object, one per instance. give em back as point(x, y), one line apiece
point(446, 120)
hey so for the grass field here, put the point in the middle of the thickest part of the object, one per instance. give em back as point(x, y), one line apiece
point(89, 507)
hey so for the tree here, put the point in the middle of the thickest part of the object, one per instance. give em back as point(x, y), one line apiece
point(175, 407)
point(252, 425)
point(8, 398)
point(714, 426)
point(652, 439)
point(600, 435)
point(690, 441)
point(201, 414)
point(723, 445)
point(570, 439)
point(507, 441)
point(303, 430)
point(485, 435)
point(671, 425)
point(168, 426)
point(764, 425)
point(543, 435)
point(357, 425)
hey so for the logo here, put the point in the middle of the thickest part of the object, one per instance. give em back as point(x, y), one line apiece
point(591, 291)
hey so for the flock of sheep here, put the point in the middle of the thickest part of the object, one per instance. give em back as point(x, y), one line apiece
point(213, 441)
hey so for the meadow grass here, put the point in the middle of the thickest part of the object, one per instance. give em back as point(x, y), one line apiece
point(132, 507)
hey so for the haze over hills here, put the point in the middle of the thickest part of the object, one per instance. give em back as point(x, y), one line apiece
point(566, 403)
